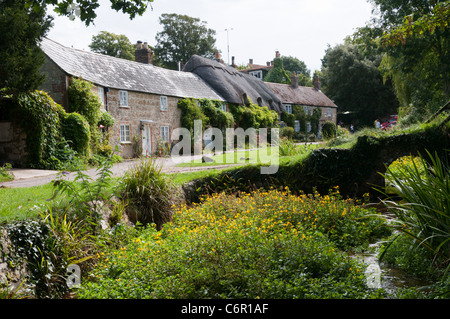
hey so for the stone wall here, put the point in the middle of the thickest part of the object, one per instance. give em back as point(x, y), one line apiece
point(56, 82)
point(143, 110)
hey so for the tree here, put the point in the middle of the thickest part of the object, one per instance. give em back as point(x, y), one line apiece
point(20, 57)
point(181, 38)
point(350, 77)
point(417, 49)
point(118, 46)
point(294, 65)
point(278, 74)
point(86, 9)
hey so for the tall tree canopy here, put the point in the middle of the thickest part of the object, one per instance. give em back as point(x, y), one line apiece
point(116, 45)
point(20, 57)
point(294, 65)
point(86, 9)
point(417, 46)
point(350, 77)
point(182, 37)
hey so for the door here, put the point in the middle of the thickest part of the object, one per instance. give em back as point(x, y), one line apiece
point(147, 141)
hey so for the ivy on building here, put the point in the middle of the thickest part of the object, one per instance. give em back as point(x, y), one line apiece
point(54, 135)
point(299, 114)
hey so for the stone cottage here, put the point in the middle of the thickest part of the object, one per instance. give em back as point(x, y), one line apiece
point(309, 98)
point(141, 97)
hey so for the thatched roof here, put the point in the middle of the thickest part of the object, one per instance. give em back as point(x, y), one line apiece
point(233, 85)
point(300, 95)
point(111, 72)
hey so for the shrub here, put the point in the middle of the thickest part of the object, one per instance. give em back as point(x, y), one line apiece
point(191, 111)
point(75, 128)
point(40, 116)
point(83, 101)
point(260, 245)
point(329, 130)
point(106, 120)
point(150, 194)
point(424, 211)
point(287, 132)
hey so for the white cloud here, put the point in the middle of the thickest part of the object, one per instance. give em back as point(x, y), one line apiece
point(300, 28)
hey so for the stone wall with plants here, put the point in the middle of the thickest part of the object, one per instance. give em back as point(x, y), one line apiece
point(355, 170)
point(56, 139)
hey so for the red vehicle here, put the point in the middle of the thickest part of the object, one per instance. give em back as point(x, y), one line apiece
point(392, 121)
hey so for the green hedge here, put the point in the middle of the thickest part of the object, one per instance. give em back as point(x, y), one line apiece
point(355, 170)
point(75, 128)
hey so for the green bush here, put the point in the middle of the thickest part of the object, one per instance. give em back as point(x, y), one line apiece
point(260, 245)
point(106, 120)
point(40, 117)
point(75, 128)
point(83, 101)
point(288, 118)
point(287, 132)
point(190, 112)
point(149, 194)
point(329, 130)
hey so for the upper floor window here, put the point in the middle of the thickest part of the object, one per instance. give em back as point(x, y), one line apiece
point(163, 103)
point(329, 112)
point(306, 110)
point(101, 95)
point(256, 74)
point(223, 107)
point(123, 98)
point(288, 108)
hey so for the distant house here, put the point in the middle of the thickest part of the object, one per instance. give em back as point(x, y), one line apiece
point(256, 70)
point(141, 97)
point(235, 87)
point(309, 98)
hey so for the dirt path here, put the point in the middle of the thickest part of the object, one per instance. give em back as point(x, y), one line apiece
point(34, 177)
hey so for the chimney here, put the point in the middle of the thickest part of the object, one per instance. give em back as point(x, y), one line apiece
point(268, 63)
point(232, 62)
point(294, 81)
point(143, 53)
point(277, 54)
point(250, 63)
point(317, 84)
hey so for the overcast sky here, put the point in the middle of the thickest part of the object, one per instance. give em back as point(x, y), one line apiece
point(299, 28)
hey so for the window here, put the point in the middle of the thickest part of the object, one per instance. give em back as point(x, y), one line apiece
point(123, 98)
point(163, 103)
point(297, 126)
point(223, 107)
point(101, 95)
point(306, 110)
point(165, 133)
point(288, 108)
point(256, 74)
point(308, 127)
point(125, 133)
point(329, 112)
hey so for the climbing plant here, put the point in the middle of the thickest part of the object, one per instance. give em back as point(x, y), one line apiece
point(40, 117)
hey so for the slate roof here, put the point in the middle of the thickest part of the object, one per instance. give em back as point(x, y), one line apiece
point(302, 95)
point(123, 74)
point(232, 84)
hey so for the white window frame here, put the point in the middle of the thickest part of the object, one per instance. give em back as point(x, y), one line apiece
point(306, 109)
point(125, 133)
point(257, 74)
point(163, 103)
point(288, 108)
point(101, 94)
point(223, 107)
point(165, 133)
point(329, 112)
point(297, 126)
point(123, 99)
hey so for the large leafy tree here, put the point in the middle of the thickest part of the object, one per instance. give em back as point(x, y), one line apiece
point(86, 9)
point(350, 77)
point(294, 65)
point(417, 43)
point(182, 37)
point(20, 57)
point(116, 45)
